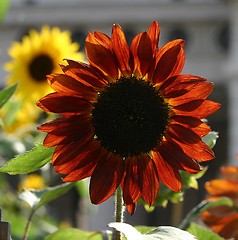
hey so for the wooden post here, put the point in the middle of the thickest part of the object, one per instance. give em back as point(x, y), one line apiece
point(4, 229)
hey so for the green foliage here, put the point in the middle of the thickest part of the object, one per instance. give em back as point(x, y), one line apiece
point(203, 206)
point(31, 161)
point(6, 93)
point(38, 198)
point(3, 9)
point(159, 233)
point(202, 233)
point(210, 139)
point(74, 234)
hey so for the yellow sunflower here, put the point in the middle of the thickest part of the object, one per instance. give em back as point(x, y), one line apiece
point(37, 55)
point(32, 181)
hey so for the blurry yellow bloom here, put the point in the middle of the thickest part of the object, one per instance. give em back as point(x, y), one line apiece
point(32, 181)
point(37, 55)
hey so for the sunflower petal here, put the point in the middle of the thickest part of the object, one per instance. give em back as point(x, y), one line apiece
point(131, 208)
point(196, 125)
point(197, 108)
point(148, 179)
point(84, 73)
point(72, 104)
point(131, 191)
point(189, 138)
point(141, 49)
point(170, 61)
point(67, 152)
point(154, 33)
point(68, 85)
point(120, 47)
point(187, 92)
point(96, 52)
point(89, 155)
point(102, 186)
point(168, 174)
point(172, 81)
point(222, 187)
point(199, 151)
point(176, 157)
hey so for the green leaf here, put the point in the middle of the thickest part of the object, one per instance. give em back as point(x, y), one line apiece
point(203, 206)
point(3, 8)
point(38, 198)
point(74, 234)
point(210, 139)
point(31, 161)
point(129, 231)
point(159, 233)
point(6, 93)
point(202, 233)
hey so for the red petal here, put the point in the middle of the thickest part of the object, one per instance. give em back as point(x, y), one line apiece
point(175, 156)
point(83, 165)
point(65, 124)
point(66, 130)
point(171, 82)
point(167, 174)
point(153, 33)
point(85, 74)
point(121, 50)
point(230, 172)
point(228, 227)
point(194, 124)
point(198, 108)
point(58, 103)
point(187, 92)
point(69, 151)
point(54, 139)
point(130, 186)
point(69, 86)
point(106, 178)
point(141, 49)
point(183, 134)
point(102, 39)
point(189, 138)
point(170, 60)
point(199, 151)
point(222, 187)
point(148, 179)
point(101, 57)
point(131, 208)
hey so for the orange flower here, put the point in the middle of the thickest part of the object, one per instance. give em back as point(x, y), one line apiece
point(223, 219)
point(128, 117)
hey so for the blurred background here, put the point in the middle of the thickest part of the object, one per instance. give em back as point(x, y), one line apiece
point(210, 31)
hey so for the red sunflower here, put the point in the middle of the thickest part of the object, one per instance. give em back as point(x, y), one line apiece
point(223, 219)
point(129, 117)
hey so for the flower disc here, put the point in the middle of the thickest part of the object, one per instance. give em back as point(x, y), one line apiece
point(130, 117)
point(41, 66)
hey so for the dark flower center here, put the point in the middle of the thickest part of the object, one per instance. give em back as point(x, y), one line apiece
point(40, 66)
point(130, 117)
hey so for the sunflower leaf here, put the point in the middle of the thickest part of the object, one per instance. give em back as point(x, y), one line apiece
point(202, 233)
point(30, 161)
point(203, 206)
point(3, 8)
point(6, 93)
point(74, 234)
point(210, 139)
point(159, 233)
point(38, 198)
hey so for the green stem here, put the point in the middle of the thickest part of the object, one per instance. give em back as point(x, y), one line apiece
point(28, 224)
point(119, 212)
